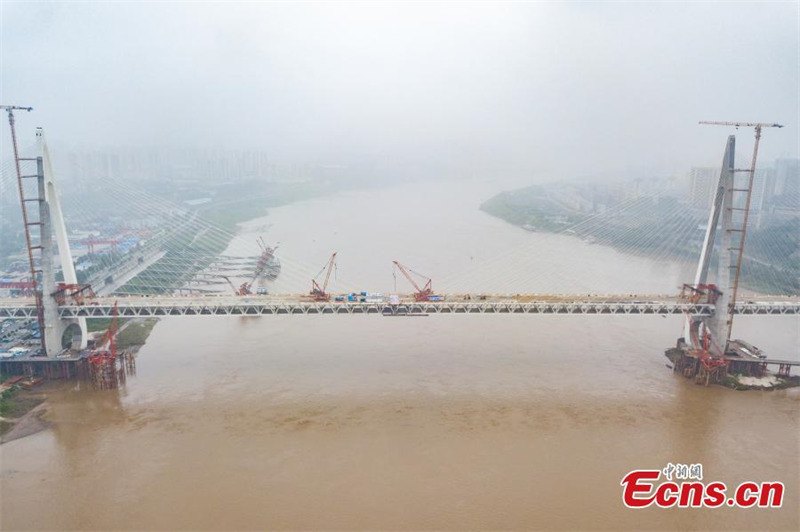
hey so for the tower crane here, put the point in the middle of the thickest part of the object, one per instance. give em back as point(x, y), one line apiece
point(421, 294)
point(319, 292)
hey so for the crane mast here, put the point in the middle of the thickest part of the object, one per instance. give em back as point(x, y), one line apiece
point(319, 292)
point(25, 218)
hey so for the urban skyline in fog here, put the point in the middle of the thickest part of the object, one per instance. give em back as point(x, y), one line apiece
point(518, 90)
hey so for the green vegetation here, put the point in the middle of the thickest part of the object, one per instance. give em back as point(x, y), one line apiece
point(769, 279)
point(5, 401)
point(530, 206)
point(238, 205)
point(14, 404)
point(771, 264)
point(778, 244)
point(93, 325)
point(135, 334)
point(101, 324)
point(197, 237)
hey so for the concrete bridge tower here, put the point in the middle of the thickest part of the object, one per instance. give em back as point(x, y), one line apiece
point(51, 221)
point(719, 324)
point(729, 214)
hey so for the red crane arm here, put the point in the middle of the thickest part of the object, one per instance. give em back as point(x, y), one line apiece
point(330, 269)
point(427, 290)
point(110, 336)
point(407, 276)
point(113, 332)
point(318, 292)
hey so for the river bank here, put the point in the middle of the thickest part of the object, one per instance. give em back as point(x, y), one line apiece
point(768, 382)
point(203, 233)
point(771, 264)
point(21, 412)
point(25, 412)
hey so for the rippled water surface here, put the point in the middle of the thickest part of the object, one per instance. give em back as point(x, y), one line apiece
point(441, 422)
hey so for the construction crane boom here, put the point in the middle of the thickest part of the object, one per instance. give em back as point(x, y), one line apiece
point(108, 344)
point(421, 294)
point(739, 124)
point(319, 292)
point(243, 290)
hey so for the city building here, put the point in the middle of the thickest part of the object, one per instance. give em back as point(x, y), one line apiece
point(702, 186)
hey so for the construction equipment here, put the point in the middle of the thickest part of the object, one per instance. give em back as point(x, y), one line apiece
point(319, 292)
point(263, 245)
point(246, 288)
point(267, 254)
point(26, 221)
point(73, 294)
point(103, 359)
point(243, 290)
point(737, 125)
point(90, 244)
point(706, 293)
point(108, 344)
point(422, 294)
point(24, 288)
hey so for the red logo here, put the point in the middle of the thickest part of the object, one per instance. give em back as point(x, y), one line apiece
point(641, 488)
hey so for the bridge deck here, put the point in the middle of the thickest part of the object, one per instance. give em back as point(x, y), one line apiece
point(23, 308)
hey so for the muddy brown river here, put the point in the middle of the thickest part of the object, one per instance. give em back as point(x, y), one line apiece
point(439, 422)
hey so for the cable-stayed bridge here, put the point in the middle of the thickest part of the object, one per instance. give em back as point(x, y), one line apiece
point(184, 268)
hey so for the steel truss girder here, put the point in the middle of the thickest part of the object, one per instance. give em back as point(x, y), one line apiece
point(157, 310)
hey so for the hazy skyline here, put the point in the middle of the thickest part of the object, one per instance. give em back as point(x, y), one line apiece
point(526, 89)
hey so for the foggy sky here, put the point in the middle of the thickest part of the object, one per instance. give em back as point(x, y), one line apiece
point(552, 89)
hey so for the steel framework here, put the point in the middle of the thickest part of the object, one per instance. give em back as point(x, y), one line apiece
point(104, 308)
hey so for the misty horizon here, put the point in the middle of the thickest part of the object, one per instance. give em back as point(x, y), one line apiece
point(521, 91)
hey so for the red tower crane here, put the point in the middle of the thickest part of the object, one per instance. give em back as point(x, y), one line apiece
point(27, 223)
point(421, 294)
point(319, 292)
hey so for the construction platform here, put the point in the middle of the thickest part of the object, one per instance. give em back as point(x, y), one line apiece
point(741, 358)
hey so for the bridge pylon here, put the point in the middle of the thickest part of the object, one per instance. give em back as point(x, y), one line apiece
point(52, 222)
point(718, 325)
point(50, 218)
point(707, 339)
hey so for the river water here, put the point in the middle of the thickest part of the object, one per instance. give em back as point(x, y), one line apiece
point(439, 422)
